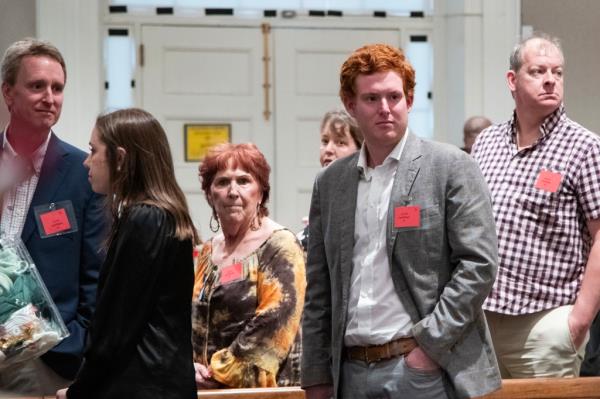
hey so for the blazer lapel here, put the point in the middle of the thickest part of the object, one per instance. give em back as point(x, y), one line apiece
point(345, 201)
point(54, 169)
point(406, 173)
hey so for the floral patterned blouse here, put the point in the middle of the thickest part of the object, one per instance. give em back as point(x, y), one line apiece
point(246, 316)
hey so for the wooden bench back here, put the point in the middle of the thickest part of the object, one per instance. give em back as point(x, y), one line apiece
point(529, 388)
point(253, 393)
point(548, 388)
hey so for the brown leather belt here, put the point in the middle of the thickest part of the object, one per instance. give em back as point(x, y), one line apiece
point(376, 353)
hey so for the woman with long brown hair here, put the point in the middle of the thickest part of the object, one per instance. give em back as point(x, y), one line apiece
point(139, 339)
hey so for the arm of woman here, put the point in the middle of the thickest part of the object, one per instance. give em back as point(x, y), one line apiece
point(203, 374)
point(254, 357)
point(203, 377)
point(128, 294)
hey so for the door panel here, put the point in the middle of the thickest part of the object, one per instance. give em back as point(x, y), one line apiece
point(205, 75)
point(307, 67)
point(215, 75)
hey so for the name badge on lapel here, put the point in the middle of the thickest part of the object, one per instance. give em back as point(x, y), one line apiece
point(55, 219)
point(407, 216)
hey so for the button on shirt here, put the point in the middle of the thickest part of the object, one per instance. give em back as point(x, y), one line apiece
point(543, 239)
point(17, 199)
point(375, 313)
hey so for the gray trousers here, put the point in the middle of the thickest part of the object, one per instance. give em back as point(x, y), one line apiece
point(389, 379)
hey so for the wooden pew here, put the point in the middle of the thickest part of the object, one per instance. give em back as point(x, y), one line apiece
point(249, 393)
point(9, 396)
point(527, 388)
point(253, 393)
point(530, 388)
point(548, 388)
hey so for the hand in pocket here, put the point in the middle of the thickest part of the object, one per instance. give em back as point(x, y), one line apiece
point(419, 360)
point(577, 330)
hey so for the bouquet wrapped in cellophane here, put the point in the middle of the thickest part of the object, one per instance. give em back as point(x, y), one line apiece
point(30, 323)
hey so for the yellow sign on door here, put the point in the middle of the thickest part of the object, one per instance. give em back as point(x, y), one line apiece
point(199, 138)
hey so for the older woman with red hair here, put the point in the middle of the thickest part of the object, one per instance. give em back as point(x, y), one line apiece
point(250, 279)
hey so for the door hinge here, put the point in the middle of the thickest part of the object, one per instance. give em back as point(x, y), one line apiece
point(141, 55)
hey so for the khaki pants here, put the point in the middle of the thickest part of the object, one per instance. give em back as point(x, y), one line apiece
point(33, 377)
point(535, 345)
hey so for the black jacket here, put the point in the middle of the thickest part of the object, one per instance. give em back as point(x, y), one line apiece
point(139, 342)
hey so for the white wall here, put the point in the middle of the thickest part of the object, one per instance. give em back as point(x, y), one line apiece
point(576, 26)
point(74, 27)
point(17, 21)
point(501, 30)
point(472, 39)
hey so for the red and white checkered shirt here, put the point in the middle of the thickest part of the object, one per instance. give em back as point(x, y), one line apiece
point(15, 204)
point(541, 220)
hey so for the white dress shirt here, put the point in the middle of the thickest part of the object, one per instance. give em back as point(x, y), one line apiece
point(17, 198)
point(375, 313)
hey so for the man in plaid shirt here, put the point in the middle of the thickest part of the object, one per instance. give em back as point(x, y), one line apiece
point(543, 171)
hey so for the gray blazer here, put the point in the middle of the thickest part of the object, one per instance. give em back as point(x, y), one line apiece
point(442, 270)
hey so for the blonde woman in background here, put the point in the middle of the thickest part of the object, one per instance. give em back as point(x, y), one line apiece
point(340, 137)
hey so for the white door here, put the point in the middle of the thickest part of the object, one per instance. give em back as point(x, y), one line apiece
point(216, 75)
point(205, 75)
point(307, 67)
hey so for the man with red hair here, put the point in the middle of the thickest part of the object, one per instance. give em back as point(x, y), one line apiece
point(401, 255)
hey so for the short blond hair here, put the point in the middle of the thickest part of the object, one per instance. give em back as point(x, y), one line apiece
point(28, 47)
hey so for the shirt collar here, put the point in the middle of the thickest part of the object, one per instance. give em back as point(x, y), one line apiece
point(37, 156)
point(547, 126)
point(393, 156)
point(553, 119)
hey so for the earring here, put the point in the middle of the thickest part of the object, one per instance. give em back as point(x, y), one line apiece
point(256, 223)
point(214, 219)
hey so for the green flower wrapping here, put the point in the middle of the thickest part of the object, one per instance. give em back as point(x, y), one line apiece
point(30, 324)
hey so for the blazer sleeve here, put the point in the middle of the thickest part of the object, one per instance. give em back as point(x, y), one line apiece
point(127, 295)
point(473, 259)
point(316, 325)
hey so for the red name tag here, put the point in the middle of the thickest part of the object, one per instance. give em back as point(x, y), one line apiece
point(407, 216)
point(55, 221)
point(548, 181)
point(231, 273)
